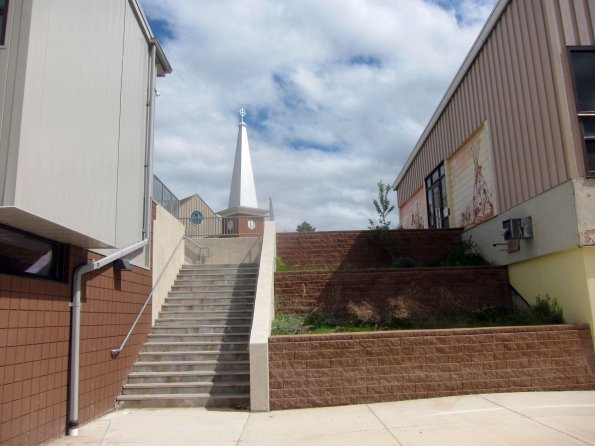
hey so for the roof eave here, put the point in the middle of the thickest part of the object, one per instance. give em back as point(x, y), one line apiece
point(469, 59)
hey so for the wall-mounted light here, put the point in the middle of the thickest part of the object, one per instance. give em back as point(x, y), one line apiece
point(122, 265)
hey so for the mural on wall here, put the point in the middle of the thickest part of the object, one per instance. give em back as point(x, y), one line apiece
point(473, 185)
point(411, 214)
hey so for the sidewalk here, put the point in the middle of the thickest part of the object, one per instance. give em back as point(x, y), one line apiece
point(539, 418)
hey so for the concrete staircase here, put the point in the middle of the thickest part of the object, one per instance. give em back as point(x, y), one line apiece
point(197, 353)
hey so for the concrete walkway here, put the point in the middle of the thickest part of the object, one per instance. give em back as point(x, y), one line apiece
point(539, 418)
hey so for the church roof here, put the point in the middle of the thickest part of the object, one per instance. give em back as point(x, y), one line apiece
point(243, 191)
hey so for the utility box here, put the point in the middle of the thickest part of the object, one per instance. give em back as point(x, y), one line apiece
point(511, 229)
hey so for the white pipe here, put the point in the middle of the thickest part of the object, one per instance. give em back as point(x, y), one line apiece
point(75, 329)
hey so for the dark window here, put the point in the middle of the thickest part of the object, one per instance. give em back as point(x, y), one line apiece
point(436, 198)
point(3, 17)
point(26, 254)
point(582, 61)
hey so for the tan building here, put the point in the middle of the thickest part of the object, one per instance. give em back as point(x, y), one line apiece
point(198, 217)
point(514, 137)
point(76, 142)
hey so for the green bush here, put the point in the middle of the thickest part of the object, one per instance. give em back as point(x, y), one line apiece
point(547, 310)
point(465, 253)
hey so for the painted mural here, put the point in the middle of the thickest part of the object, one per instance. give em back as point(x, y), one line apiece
point(412, 213)
point(472, 182)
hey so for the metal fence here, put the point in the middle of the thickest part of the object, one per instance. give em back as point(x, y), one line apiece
point(165, 197)
point(244, 226)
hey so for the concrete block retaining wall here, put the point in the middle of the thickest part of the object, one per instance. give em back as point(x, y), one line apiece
point(416, 291)
point(337, 369)
point(359, 249)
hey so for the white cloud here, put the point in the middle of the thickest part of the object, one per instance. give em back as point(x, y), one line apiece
point(337, 93)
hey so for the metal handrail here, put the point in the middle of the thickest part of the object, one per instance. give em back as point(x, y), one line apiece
point(200, 248)
point(116, 351)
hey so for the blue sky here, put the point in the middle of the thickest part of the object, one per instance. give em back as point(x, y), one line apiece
point(337, 94)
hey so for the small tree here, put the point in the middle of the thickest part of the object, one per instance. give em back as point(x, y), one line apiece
point(383, 207)
point(305, 227)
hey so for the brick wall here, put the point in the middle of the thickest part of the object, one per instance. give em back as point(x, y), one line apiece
point(417, 291)
point(34, 346)
point(360, 249)
point(330, 370)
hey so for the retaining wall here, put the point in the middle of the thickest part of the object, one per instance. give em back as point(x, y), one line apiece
point(362, 249)
point(337, 369)
point(423, 292)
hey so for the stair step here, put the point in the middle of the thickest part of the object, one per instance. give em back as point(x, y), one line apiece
point(204, 355)
point(181, 366)
point(217, 388)
point(199, 329)
point(199, 337)
point(188, 376)
point(203, 321)
point(206, 307)
point(220, 296)
point(194, 346)
point(205, 314)
point(234, 401)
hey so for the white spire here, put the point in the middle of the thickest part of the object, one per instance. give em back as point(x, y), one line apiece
point(243, 191)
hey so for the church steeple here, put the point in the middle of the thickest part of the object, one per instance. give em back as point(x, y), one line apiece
point(243, 191)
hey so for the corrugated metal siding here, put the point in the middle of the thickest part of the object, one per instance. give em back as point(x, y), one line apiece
point(211, 224)
point(512, 85)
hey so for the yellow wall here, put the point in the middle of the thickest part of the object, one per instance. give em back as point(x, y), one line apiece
point(568, 276)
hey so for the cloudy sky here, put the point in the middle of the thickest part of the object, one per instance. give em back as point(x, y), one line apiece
point(337, 93)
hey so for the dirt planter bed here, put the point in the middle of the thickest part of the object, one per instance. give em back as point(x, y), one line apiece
point(354, 368)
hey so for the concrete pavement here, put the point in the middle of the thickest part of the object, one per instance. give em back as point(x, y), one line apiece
point(536, 418)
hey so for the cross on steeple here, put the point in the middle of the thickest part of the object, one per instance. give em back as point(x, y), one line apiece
point(242, 114)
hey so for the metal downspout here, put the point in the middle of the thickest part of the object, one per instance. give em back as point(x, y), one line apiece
point(75, 328)
point(149, 140)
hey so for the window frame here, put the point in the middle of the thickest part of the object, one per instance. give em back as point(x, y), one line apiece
point(430, 185)
point(59, 274)
point(582, 116)
point(4, 22)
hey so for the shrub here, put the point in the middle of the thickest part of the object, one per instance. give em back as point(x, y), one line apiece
point(547, 310)
point(465, 253)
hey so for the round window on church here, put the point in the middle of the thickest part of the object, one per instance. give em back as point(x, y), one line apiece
point(251, 224)
point(196, 218)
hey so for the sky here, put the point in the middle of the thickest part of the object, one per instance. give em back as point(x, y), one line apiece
point(337, 93)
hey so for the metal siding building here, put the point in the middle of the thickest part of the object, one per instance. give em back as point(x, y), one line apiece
point(510, 140)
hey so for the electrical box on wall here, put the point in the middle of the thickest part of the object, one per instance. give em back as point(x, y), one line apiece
point(511, 229)
point(527, 227)
point(515, 229)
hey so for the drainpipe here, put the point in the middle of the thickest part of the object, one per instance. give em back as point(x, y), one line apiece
point(149, 138)
point(75, 329)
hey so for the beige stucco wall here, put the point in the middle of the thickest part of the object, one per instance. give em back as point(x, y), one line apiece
point(471, 182)
point(567, 276)
point(264, 312)
point(233, 250)
point(167, 233)
point(413, 214)
point(554, 217)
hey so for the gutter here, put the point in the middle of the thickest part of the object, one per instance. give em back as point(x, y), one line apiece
point(75, 328)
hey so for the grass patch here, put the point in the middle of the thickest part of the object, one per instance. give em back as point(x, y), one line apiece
point(545, 311)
